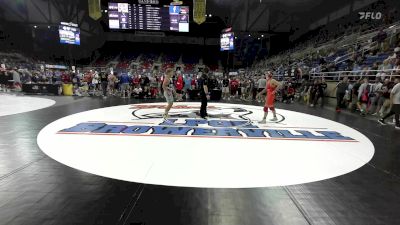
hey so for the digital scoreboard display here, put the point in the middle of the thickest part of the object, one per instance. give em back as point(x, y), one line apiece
point(148, 17)
point(69, 33)
point(120, 15)
point(227, 41)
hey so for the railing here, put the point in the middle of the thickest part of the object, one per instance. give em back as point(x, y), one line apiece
point(342, 42)
point(337, 75)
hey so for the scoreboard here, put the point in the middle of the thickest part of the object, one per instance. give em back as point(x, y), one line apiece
point(144, 16)
point(227, 41)
point(69, 33)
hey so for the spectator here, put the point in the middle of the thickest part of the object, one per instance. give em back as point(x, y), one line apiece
point(384, 98)
point(234, 85)
point(194, 82)
point(104, 83)
point(188, 85)
point(288, 93)
point(124, 82)
point(225, 88)
point(137, 91)
point(394, 58)
point(341, 89)
point(112, 80)
point(95, 81)
point(154, 86)
point(394, 105)
point(383, 70)
point(316, 91)
point(261, 84)
point(363, 96)
point(179, 84)
point(374, 95)
point(16, 77)
point(4, 78)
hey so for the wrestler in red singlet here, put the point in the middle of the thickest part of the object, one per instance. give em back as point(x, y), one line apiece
point(271, 88)
point(270, 98)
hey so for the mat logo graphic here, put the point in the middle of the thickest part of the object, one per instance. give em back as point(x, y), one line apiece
point(224, 122)
point(204, 128)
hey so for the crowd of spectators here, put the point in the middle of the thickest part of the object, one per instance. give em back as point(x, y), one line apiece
point(366, 71)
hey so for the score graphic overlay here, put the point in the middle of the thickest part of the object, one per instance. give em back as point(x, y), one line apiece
point(227, 41)
point(147, 15)
point(69, 33)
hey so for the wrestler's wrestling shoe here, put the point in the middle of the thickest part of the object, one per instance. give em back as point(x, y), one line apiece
point(263, 121)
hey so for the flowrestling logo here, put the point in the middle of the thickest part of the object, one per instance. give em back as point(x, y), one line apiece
point(370, 15)
point(184, 121)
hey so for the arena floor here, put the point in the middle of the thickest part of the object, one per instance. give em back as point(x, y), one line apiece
point(327, 179)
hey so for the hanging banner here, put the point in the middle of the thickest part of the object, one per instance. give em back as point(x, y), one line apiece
point(199, 11)
point(94, 9)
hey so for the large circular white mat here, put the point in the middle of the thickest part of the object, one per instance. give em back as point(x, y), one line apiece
point(13, 104)
point(229, 150)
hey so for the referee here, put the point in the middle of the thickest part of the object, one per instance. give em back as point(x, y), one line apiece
point(204, 94)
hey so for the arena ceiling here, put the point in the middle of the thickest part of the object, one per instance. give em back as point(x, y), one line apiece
point(273, 15)
point(48, 13)
point(244, 15)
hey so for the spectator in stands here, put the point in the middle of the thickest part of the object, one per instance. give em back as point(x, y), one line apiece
point(375, 66)
point(188, 85)
point(104, 83)
point(384, 98)
point(316, 91)
point(137, 91)
point(35, 78)
point(396, 68)
point(56, 77)
point(194, 82)
point(179, 84)
point(395, 57)
point(16, 77)
point(324, 86)
point(298, 73)
point(288, 93)
point(4, 80)
point(383, 70)
point(88, 77)
point(65, 78)
point(204, 93)
point(341, 89)
point(380, 38)
point(95, 81)
point(225, 88)
point(146, 89)
point(234, 85)
point(26, 76)
point(239, 88)
point(356, 69)
point(254, 88)
point(244, 88)
point(112, 81)
point(394, 105)
point(124, 82)
point(374, 95)
point(154, 86)
point(363, 96)
point(261, 84)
